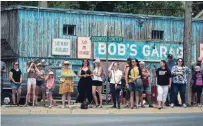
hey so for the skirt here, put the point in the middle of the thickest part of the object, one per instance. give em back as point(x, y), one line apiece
point(66, 87)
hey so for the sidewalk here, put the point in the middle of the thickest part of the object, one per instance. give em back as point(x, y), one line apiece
point(74, 109)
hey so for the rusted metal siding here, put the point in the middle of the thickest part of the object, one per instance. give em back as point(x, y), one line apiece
point(9, 28)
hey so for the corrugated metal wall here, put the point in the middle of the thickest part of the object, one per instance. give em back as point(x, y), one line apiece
point(51, 26)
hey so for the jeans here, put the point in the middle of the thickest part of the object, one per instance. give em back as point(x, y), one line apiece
point(198, 89)
point(178, 88)
point(115, 92)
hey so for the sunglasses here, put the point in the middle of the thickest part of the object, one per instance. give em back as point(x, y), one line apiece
point(199, 61)
point(180, 61)
point(66, 64)
point(16, 64)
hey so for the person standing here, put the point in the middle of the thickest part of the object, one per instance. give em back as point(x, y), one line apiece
point(97, 82)
point(134, 74)
point(3, 71)
point(115, 83)
point(179, 78)
point(50, 87)
point(146, 88)
point(163, 83)
point(66, 87)
point(171, 62)
point(200, 64)
point(85, 82)
point(126, 92)
point(15, 76)
point(31, 70)
point(197, 84)
point(40, 81)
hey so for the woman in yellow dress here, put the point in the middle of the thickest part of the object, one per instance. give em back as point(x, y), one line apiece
point(66, 83)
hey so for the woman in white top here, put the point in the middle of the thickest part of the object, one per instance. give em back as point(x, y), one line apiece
point(97, 82)
point(115, 83)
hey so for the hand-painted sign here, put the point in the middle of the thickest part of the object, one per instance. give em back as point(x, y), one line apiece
point(201, 50)
point(140, 50)
point(84, 47)
point(61, 47)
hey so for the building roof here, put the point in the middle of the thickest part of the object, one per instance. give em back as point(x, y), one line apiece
point(6, 51)
point(100, 13)
point(199, 15)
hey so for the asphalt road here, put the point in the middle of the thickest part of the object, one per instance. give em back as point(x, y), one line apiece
point(186, 119)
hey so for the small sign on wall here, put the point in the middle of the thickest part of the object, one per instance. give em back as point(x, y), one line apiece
point(201, 50)
point(61, 47)
point(84, 46)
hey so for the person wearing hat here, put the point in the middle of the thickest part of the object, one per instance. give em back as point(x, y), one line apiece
point(66, 83)
point(97, 82)
point(50, 87)
point(40, 81)
point(200, 64)
point(197, 84)
point(171, 62)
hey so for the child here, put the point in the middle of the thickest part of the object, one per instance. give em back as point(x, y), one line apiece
point(197, 83)
point(54, 102)
point(50, 87)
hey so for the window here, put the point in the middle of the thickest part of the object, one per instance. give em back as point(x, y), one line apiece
point(156, 34)
point(68, 29)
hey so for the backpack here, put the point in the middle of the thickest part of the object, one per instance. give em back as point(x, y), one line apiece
point(84, 105)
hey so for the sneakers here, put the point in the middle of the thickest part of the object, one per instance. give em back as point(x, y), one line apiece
point(62, 106)
point(172, 105)
point(184, 106)
point(199, 105)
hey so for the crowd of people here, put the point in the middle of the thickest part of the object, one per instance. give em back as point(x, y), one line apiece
point(133, 81)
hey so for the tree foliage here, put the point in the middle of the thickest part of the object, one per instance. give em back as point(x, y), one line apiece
point(166, 8)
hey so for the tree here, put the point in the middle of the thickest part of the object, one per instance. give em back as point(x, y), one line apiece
point(164, 8)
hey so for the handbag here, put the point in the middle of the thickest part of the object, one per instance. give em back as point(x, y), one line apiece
point(103, 76)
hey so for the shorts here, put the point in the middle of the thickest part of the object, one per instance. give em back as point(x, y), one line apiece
point(133, 88)
point(40, 82)
point(15, 86)
point(96, 83)
point(146, 88)
point(31, 81)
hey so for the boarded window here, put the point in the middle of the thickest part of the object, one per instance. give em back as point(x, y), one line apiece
point(68, 29)
point(156, 34)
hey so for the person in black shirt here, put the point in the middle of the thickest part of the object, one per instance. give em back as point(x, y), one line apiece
point(163, 83)
point(16, 80)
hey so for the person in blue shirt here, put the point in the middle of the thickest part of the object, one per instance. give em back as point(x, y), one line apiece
point(171, 62)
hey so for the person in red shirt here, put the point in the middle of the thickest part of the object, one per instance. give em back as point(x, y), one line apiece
point(146, 88)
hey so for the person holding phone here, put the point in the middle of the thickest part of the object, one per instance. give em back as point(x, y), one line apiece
point(15, 76)
point(31, 83)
